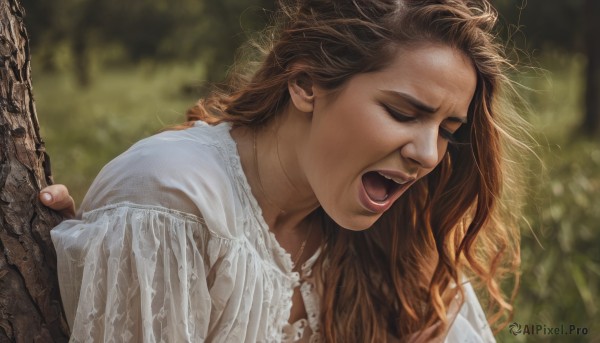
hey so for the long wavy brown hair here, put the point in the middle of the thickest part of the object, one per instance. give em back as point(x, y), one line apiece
point(400, 276)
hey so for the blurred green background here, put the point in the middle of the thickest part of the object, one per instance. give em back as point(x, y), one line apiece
point(108, 73)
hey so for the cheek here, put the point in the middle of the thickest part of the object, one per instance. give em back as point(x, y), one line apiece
point(342, 139)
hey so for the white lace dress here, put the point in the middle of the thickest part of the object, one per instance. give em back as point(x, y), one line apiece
point(171, 246)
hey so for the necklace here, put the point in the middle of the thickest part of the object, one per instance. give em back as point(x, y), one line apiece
point(281, 164)
point(303, 245)
point(262, 190)
point(301, 250)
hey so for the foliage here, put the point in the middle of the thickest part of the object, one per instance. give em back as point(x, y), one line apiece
point(212, 30)
point(209, 31)
point(543, 24)
point(560, 255)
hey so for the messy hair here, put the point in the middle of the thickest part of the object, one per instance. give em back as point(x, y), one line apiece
point(456, 224)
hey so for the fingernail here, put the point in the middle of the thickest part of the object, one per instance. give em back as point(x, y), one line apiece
point(47, 197)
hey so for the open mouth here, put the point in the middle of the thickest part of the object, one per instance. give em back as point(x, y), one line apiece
point(381, 187)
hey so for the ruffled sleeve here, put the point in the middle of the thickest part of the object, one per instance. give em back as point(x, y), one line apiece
point(132, 271)
point(168, 249)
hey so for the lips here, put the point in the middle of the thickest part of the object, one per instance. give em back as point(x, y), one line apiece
point(381, 188)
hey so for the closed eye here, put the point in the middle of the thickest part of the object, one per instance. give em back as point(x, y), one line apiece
point(458, 137)
point(449, 136)
point(397, 114)
point(446, 134)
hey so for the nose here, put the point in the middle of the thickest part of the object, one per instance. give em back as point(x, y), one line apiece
point(423, 148)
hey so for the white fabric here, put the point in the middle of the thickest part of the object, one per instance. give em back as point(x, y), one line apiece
point(470, 324)
point(171, 246)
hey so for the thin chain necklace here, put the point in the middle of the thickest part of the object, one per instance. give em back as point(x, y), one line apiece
point(281, 164)
point(259, 179)
point(303, 245)
point(301, 251)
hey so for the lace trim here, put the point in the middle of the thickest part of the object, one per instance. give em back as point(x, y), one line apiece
point(295, 331)
point(311, 298)
point(281, 256)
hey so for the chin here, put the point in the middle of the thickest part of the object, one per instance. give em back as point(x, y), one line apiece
point(356, 222)
point(350, 217)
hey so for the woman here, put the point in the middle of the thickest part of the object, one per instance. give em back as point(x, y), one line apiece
point(349, 190)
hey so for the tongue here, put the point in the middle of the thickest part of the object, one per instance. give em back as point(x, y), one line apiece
point(375, 185)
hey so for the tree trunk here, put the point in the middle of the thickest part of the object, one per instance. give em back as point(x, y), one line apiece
point(591, 121)
point(30, 306)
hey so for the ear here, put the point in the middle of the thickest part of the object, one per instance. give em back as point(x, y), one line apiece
point(302, 92)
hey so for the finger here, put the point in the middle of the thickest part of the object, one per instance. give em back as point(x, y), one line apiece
point(54, 195)
point(57, 198)
point(46, 197)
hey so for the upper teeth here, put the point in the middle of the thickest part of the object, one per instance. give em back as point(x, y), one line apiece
point(396, 180)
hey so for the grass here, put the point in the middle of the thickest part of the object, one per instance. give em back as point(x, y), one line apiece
point(85, 128)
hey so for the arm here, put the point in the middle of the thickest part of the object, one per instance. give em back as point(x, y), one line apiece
point(134, 272)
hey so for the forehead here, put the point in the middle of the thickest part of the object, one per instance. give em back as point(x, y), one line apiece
point(436, 74)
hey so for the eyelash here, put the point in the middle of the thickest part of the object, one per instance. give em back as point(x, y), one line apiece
point(450, 137)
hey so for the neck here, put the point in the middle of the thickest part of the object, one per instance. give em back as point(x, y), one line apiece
point(270, 161)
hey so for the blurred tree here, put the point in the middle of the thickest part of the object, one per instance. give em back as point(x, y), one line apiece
point(225, 25)
point(30, 305)
point(569, 26)
point(544, 23)
point(49, 27)
point(591, 121)
point(145, 29)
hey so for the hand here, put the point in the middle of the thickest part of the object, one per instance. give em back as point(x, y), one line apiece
point(57, 198)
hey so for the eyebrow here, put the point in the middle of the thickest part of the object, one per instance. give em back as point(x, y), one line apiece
point(421, 106)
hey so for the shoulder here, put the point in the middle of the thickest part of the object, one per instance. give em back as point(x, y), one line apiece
point(173, 155)
point(184, 170)
point(176, 150)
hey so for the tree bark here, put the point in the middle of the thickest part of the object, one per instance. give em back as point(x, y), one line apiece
point(30, 305)
point(591, 120)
